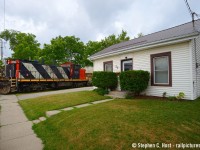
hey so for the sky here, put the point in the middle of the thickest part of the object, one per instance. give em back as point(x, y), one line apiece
point(92, 19)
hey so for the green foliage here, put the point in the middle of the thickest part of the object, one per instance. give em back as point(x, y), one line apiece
point(112, 39)
point(105, 80)
point(1, 64)
point(129, 95)
point(27, 47)
point(24, 45)
point(60, 49)
point(95, 46)
point(10, 35)
point(181, 95)
point(172, 98)
point(164, 94)
point(140, 35)
point(63, 49)
point(117, 124)
point(101, 91)
point(135, 81)
point(36, 107)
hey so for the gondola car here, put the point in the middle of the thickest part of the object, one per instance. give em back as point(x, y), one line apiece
point(23, 75)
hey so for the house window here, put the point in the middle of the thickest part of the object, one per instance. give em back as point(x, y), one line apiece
point(161, 74)
point(127, 64)
point(108, 66)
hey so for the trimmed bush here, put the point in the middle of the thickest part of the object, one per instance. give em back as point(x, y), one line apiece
point(101, 91)
point(104, 80)
point(135, 81)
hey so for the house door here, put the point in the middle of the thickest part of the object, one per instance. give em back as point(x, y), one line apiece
point(127, 64)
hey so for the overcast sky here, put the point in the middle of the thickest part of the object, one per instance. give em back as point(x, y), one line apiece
point(93, 19)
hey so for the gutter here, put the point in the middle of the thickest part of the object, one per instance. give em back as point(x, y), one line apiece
point(148, 45)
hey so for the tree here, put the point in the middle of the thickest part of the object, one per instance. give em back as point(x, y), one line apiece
point(62, 49)
point(27, 47)
point(90, 48)
point(24, 45)
point(10, 35)
point(95, 46)
point(112, 39)
point(139, 35)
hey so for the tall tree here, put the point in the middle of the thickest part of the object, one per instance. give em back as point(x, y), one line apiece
point(90, 48)
point(10, 35)
point(113, 39)
point(62, 49)
point(140, 35)
point(27, 47)
point(24, 45)
point(95, 46)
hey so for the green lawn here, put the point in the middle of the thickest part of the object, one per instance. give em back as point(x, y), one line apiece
point(119, 123)
point(36, 107)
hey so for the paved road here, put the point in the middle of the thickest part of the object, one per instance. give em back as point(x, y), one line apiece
point(16, 131)
point(34, 95)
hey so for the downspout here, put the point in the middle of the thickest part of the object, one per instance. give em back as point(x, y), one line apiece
point(196, 64)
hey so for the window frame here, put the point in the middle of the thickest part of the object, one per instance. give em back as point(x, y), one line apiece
point(165, 54)
point(122, 67)
point(107, 62)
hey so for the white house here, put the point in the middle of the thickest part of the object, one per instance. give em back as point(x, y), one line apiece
point(172, 57)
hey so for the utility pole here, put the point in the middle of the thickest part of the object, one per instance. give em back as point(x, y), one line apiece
point(4, 24)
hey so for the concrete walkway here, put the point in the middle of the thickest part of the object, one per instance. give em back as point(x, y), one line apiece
point(15, 130)
point(34, 95)
point(54, 112)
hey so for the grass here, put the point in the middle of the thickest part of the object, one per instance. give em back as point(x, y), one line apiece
point(36, 107)
point(119, 123)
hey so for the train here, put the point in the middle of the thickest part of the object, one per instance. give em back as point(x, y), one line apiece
point(25, 76)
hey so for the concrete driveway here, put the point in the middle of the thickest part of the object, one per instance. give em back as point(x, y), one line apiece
point(34, 95)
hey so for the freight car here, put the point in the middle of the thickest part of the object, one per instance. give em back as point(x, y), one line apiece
point(23, 75)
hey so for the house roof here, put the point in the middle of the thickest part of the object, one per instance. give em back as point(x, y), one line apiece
point(179, 31)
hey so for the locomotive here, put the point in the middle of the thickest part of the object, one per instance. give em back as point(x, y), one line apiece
point(24, 75)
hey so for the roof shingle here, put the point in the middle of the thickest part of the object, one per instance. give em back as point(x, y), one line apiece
point(177, 31)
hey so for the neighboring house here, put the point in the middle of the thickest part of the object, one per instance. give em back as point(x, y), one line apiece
point(172, 57)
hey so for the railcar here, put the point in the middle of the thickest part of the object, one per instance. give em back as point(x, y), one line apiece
point(23, 75)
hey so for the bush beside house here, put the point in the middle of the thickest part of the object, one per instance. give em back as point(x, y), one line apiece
point(134, 81)
point(104, 81)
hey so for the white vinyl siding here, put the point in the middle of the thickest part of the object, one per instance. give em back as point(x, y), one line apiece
point(181, 68)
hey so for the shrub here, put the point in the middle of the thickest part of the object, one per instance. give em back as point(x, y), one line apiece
point(129, 95)
point(164, 94)
point(135, 81)
point(104, 80)
point(181, 95)
point(172, 98)
point(101, 91)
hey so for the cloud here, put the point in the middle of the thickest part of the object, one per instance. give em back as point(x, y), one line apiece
point(93, 20)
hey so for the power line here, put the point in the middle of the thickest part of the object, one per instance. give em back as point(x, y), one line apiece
point(189, 9)
point(4, 24)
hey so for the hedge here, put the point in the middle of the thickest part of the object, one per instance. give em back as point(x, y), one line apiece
point(105, 80)
point(134, 81)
